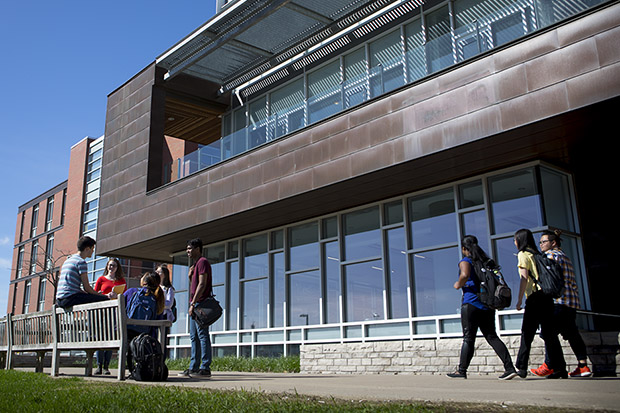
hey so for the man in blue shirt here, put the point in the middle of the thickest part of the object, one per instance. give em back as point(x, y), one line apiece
point(74, 277)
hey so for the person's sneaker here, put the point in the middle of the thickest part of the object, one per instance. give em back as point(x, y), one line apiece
point(522, 373)
point(98, 371)
point(185, 373)
point(581, 372)
point(204, 372)
point(106, 372)
point(457, 375)
point(542, 371)
point(508, 375)
point(558, 375)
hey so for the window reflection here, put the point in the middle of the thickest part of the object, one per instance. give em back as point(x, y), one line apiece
point(435, 273)
point(362, 235)
point(256, 262)
point(364, 291)
point(255, 300)
point(279, 292)
point(398, 274)
point(332, 282)
point(507, 259)
point(433, 220)
point(515, 201)
point(475, 223)
point(305, 295)
point(304, 247)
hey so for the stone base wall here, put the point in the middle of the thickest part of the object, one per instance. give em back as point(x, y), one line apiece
point(440, 356)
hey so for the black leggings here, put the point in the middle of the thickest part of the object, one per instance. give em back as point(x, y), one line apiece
point(473, 318)
point(539, 313)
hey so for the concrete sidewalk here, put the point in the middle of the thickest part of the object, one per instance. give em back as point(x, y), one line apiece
point(588, 394)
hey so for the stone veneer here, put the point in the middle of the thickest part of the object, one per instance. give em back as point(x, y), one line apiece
point(440, 356)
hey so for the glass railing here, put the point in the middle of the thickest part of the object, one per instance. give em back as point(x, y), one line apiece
point(490, 29)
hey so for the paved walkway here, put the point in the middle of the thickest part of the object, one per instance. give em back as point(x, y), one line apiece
point(589, 394)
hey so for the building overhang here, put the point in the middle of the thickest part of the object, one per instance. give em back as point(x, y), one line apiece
point(250, 40)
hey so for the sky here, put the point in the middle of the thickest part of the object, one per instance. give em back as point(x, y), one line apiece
point(60, 61)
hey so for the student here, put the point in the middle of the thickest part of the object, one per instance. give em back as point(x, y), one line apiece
point(538, 310)
point(168, 290)
point(476, 315)
point(112, 277)
point(200, 288)
point(73, 285)
point(565, 307)
point(150, 304)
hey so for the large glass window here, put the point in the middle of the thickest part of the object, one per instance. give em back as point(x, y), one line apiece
point(304, 247)
point(398, 273)
point(515, 201)
point(279, 290)
point(258, 128)
point(364, 291)
point(386, 64)
point(435, 273)
point(305, 296)
point(355, 84)
point(332, 282)
point(324, 96)
point(216, 256)
point(438, 40)
point(433, 220)
point(556, 190)
point(256, 262)
point(287, 107)
point(362, 234)
point(415, 51)
point(255, 303)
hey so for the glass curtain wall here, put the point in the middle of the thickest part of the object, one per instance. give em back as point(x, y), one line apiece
point(434, 39)
point(383, 270)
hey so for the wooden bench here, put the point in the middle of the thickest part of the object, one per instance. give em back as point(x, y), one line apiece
point(86, 327)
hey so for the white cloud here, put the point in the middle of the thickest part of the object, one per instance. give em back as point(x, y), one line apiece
point(4, 241)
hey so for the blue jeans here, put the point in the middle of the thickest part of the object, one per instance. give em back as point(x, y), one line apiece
point(201, 347)
point(104, 357)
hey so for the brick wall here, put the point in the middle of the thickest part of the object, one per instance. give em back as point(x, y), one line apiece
point(431, 356)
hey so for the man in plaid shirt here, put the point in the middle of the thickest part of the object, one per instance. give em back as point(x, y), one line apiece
point(565, 307)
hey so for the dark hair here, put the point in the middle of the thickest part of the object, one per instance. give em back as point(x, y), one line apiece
point(151, 280)
point(85, 242)
point(470, 243)
point(195, 243)
point(553, 236)
point(165, 279)
point(120, 275)
point(525, 240)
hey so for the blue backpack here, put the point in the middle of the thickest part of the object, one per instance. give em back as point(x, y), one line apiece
point(142, 307)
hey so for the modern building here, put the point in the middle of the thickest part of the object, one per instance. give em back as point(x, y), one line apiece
point(49, 226)
point(331, 155)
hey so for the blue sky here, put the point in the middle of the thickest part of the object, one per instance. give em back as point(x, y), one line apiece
point(60, 60)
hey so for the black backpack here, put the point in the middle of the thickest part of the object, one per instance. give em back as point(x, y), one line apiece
point(494, 292)
point(550, 275)
point(148, 359)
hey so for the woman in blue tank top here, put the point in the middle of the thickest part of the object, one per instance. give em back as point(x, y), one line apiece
point(474, 314)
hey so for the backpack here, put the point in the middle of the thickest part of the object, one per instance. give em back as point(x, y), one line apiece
point(494, 292)
point(550, 275)
point(148, 359)
point(142, 307)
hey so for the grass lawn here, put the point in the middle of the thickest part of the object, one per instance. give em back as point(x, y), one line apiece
point(35, 392)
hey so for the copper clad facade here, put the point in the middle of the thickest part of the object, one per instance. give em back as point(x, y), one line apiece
point(523, 102)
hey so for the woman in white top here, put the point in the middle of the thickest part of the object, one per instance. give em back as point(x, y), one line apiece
point(168, 289)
